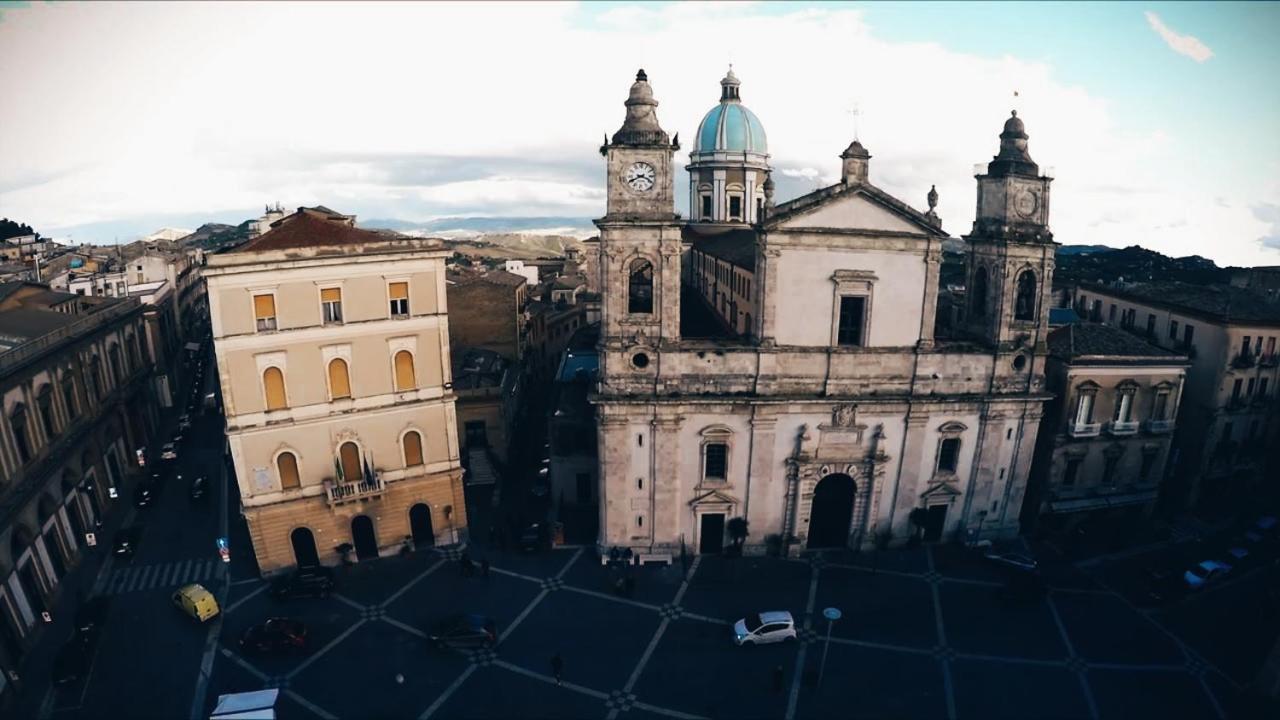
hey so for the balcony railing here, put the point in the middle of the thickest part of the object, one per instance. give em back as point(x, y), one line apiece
point(340, 492)
point(1084, 429)
point(1268, 360)
point(1157, 427)
point(1243, 361)
point(1123, 428)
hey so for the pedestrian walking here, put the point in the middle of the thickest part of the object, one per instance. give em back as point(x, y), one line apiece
point(484, 567)
point(557, 667)
point(777, 679)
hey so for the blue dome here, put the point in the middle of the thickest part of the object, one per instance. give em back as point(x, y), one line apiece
point(731, 127)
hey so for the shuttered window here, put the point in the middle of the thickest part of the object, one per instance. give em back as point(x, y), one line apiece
point(287, 466)
point(331, 304)
point(404, 371)
point(412, 449)
point(273, 385)
point(339, 379)
point(349, 455)
point(264, 311)
point(399, 293)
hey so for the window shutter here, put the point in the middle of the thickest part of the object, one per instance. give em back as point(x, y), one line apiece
point(399, 291)
point(331, 295)
point(339, 379)
point(287, 466)
point(412, 449)
point(273, 382)
point(264, 306)
point(350, 454)
point(404, 371)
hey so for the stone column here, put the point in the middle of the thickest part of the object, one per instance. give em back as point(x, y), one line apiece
point(766, 273)
point(767, 486)
point(671, 246)
point(1019, 473)
point(913, 473)
point(668, 505)
point(978, 492)
point(613, 453)
point(929, 312)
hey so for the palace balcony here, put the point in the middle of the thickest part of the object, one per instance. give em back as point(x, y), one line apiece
point(340, 493)
point(1243, 361)
point(1268, 360)
point(1160, 427)
point(1083, 430)
point(1123, 428)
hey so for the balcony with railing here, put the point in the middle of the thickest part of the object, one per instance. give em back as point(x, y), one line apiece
point(1243, 361)
point(1160, 427)
point(340, 493)
point(1083, 430)
point(1268, 360)
point(1119, 428)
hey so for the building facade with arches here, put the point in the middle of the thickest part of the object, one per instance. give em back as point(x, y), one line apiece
point(332, 345)
point(76, 402)
point(778, 362)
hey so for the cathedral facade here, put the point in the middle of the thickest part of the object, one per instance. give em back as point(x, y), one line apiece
point(779, 364)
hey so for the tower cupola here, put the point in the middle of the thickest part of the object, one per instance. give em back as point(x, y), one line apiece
point(729, 161)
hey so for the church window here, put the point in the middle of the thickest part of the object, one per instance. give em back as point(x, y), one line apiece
point(1173, 329)
point(1151, 324)
point(735, 207)
point(706, 207)
point(715, 462)
point(640, 287)
point(979, 304)
point(1070, 472)
point(1025, 307)
point(948, 455)
point(852, 320)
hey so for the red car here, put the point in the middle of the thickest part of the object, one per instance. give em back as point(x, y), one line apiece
point(273, 636)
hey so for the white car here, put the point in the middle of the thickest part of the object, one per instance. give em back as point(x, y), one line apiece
point(767, 627)
point(169, 452)
point(1205, 573)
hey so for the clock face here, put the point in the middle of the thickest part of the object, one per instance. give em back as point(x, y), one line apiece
point(1025, 203)
point(640, 177)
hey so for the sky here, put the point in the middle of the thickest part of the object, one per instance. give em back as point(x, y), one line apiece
point(1160, 121)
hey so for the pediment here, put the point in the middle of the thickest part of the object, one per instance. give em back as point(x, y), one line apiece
point(714, 497)
point(941, 489)
point(861, 209)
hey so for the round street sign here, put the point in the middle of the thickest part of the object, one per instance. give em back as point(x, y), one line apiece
point(831, 614)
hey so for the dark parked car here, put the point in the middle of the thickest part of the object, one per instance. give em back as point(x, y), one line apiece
point(90, 617)
point(273, 636)
point(127, 541)
point(314, 581)
point(464, 631)
point(533, 537)
point(71, 663)
point(145, 494)
point(199, 489)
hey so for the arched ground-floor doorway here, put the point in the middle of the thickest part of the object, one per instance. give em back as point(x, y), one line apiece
point(420, 525)
point(831, 512)
point(304, 547)
point(364, 538)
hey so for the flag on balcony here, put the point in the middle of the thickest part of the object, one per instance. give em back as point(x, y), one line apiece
point(368, 474)
point(337, 470)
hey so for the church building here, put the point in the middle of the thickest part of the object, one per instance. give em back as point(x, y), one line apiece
point(779, 362)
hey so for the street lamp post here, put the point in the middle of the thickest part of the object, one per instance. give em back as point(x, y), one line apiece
point(832, 615)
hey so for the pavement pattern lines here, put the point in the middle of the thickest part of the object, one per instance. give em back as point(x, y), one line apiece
point(618, 701)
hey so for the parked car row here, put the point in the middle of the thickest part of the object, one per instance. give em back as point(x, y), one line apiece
point(1258, 542)
point(73, 658)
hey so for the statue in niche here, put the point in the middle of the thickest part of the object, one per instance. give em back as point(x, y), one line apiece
point(844, 416)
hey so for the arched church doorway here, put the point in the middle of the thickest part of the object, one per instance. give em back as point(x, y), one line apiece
point(831, 512)
point(365, 540)
point(420, 525)
point(304, 547)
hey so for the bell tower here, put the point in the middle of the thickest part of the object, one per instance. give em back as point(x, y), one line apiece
point(640, 239)
point(1011, 254)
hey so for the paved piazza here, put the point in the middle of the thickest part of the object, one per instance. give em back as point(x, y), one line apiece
point(924, 635)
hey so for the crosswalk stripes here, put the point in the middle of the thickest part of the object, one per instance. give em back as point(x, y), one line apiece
point(163, 575)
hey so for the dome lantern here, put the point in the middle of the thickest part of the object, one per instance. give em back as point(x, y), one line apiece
point(729, 161)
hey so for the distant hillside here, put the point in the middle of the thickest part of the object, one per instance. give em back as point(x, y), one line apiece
point(512, 246)
point(466, 227)
point(213, 235)
point(1133, 264)
point(10, 228)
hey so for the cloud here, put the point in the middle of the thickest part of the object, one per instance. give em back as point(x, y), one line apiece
point(1269, 213)
point(229, 105)
point(1188, 45)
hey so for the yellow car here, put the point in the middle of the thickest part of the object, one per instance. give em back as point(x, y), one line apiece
point(196, 601)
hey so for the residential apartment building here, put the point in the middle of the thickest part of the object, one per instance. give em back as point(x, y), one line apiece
point(1228, 413)
point(1106, 437)
point(332, 345)
point(75, 407)
point(488, 388)
point(489, 311)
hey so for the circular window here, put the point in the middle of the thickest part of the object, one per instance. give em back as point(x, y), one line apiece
point(1019, 362)
point(640, 360)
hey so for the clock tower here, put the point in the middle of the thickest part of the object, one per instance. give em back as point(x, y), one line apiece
point(1011, 254)
point(640, 239)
